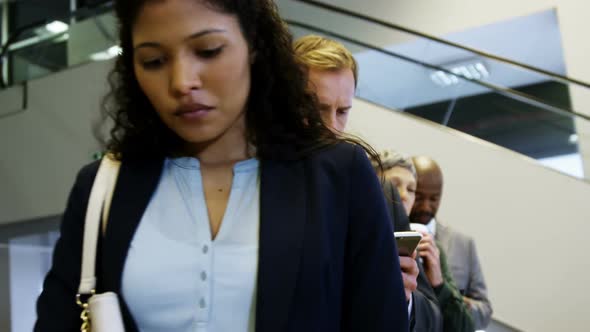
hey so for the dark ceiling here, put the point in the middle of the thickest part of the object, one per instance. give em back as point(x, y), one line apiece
point(523, 128)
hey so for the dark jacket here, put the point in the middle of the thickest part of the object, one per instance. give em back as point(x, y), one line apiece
point(441, 309)
point(466, 271)
point(456, 315)
point(426, 315)
point(327, 258)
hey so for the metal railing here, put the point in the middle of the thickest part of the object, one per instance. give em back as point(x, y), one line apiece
point(506, 92)
point(393, 26)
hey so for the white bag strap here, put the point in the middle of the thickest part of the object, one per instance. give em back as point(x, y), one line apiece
point(99, 200)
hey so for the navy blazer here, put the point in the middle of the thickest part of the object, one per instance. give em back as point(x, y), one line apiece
point(327, 257)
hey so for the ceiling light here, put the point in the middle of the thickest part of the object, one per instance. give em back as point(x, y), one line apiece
point(56, 27)
point(111, 52)
point(115, 50)
point(470, 71)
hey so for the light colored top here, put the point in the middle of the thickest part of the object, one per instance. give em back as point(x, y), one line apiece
point(175, 277)
point(432, 227)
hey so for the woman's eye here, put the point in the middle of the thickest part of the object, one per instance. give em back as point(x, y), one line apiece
point(152, 64)
point(210, 53)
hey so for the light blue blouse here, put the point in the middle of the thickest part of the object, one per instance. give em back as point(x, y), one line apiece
point(175, 277)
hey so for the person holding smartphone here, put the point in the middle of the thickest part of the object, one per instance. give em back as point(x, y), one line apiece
point(461, 249)
point(235, 208)
point(399, 175)
point(332, 76)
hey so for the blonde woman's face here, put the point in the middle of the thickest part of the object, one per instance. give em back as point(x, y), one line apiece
point(405, 182)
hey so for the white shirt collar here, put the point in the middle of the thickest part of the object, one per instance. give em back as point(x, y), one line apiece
point(432, 226)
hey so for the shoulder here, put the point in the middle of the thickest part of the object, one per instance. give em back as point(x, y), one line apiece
point(340, 170)
point(341, 149)
point(342, 156)
point(454, 234)
point(86, 174)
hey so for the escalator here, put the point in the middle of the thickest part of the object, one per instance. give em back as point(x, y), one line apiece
point(495, 128)
point(515, 105)
point(518, 106)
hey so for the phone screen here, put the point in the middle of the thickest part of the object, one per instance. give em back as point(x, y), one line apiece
point(407, 243)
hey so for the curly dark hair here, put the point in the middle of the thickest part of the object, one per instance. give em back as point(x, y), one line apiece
point(282, 118)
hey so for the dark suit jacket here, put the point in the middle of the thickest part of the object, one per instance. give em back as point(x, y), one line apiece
point(327, 258)
point(426, 313)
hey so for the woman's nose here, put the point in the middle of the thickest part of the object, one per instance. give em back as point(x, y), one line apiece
point(184, 77)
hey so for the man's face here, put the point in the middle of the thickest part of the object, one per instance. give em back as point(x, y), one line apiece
point(428, 195)
point(335, 91)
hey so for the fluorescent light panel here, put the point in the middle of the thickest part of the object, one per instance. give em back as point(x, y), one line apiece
point(474, 71)
point(108, 54)
point(56, 27)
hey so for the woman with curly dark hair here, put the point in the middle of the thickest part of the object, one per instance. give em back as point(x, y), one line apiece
point(235, 208)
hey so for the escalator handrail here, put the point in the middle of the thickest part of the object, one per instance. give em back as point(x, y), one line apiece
point(557, 77)
point(507, 92)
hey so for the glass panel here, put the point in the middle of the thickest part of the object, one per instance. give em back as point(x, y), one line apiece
point(518, 126)
point(38, 60)
point(534, 40)
point(23, 13)
point(438, 82)
point(91, 39)
point(400, 78)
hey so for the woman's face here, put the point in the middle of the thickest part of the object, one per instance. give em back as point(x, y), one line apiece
point(193, 64)
point(405, 182)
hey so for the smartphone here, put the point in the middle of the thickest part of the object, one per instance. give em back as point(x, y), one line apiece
point(407, 242)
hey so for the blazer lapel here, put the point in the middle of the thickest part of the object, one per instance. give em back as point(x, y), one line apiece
point(136, 183)
point(442, 236)
point(282, 220)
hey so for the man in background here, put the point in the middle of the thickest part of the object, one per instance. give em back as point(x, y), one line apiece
point(333, 76)
point(459, 248)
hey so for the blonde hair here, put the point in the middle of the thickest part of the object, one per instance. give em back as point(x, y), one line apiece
point(390, 159)
point(323, 53)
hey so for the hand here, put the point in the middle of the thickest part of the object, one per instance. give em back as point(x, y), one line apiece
point(409, 274)
point(468, 302)
point(429, 252)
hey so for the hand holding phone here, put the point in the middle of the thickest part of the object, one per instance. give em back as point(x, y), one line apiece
point(407, 242)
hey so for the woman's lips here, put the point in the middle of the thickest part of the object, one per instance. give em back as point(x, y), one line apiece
point(193, 111)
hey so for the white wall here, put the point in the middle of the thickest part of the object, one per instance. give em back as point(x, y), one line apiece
point(42, 147)
point(530, 223)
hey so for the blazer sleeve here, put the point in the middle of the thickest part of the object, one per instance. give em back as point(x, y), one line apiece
point(456, 315)
point(373, 298)
point(426, 314)
point(481, 309)
point(56, 307)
